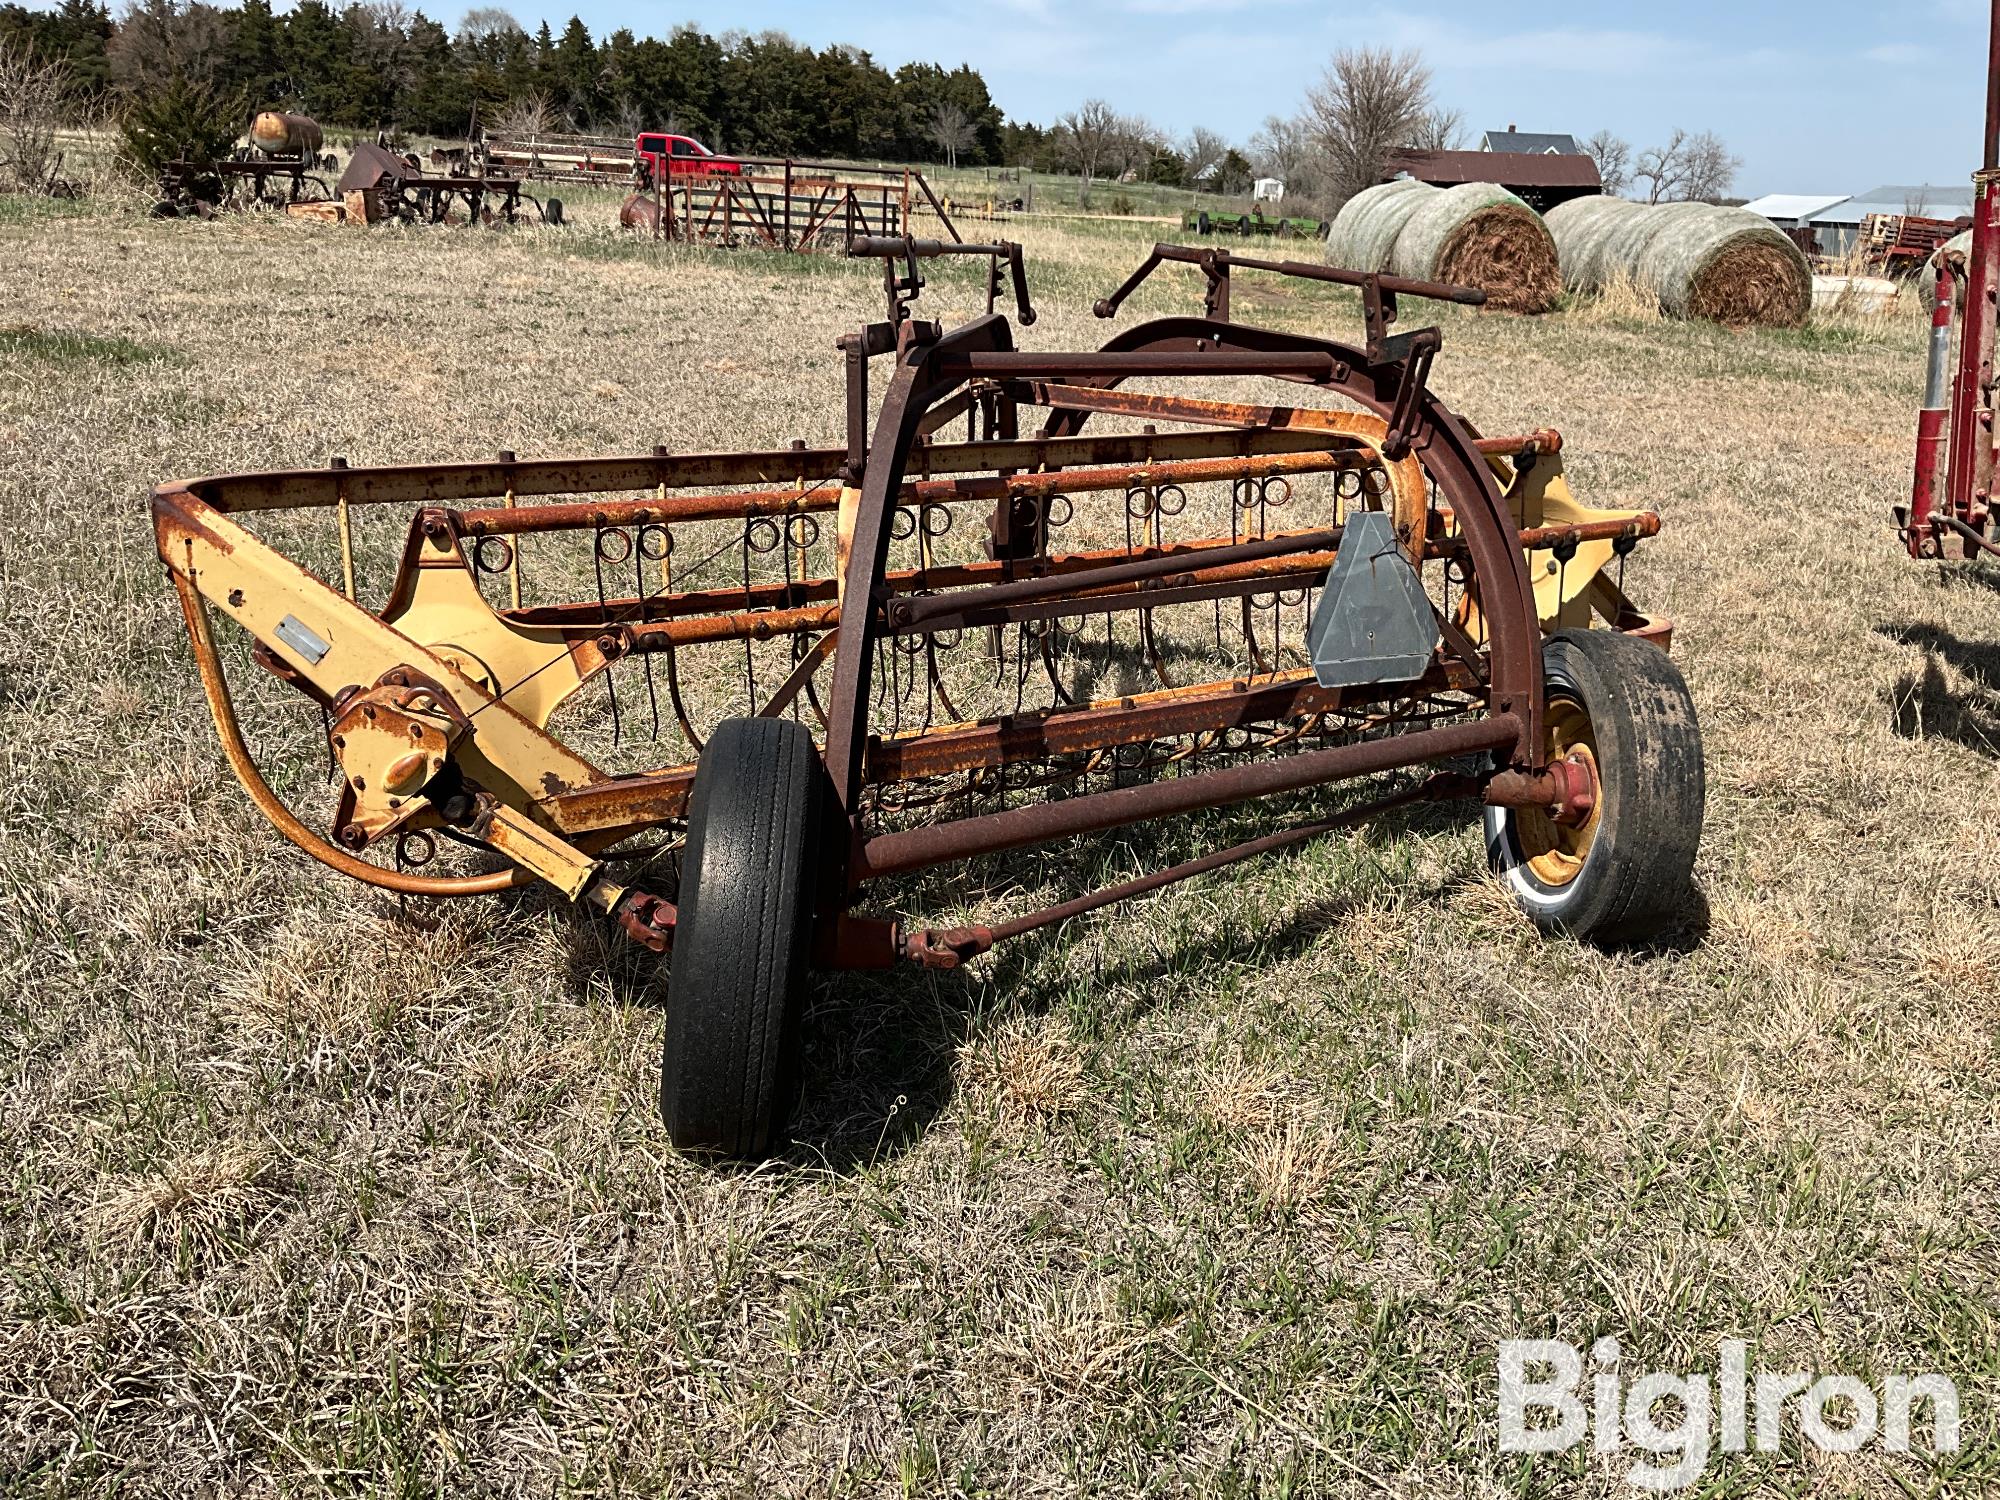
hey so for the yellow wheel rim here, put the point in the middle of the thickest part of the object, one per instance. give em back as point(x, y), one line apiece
point(1555, 854)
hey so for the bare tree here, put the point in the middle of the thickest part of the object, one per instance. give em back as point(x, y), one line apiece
point(1137, 142)
point(1711, 169)
point(483, 22)
point(1203, 151)
point(1090, 133)
point(383, 48)
point(1614, 161)
point(35, 97)
point(952, 130)
point(1439, 130)
point(1662, 169)
point(1697, 168)
point(530, 115)
point(1370, 101)
point(160, 40)
point(1284, 148)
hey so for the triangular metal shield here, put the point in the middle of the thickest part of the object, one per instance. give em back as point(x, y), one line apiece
point(1373, 623)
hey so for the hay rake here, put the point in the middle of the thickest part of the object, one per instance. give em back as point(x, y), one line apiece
point(1022, 601)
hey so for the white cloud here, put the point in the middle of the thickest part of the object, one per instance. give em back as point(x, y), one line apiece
point(1897, 54)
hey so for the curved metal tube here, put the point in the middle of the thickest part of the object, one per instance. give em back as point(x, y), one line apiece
point(216, 687)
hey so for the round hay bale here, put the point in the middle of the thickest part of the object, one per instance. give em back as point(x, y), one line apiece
point(1727, 265)
point(1480, 235)
point(1724, 264)
point(1959, 245)
point(1365, 229)
point(1582, 229)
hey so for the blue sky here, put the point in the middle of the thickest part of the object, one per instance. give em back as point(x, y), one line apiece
point(1828, 97)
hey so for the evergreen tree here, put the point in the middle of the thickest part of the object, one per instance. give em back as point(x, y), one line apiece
point(368, 64)
point(313, 54)
point(576, 71)
point(256, 62)
point(440, 100)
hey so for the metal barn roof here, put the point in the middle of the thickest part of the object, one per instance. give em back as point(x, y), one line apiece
point(1444, 168)
point(1931, 201)
point(1795, 205)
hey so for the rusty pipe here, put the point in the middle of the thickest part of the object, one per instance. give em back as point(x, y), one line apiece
point(914, 611)
point(671, 510)
point(994, 833)
point(748, 504)
point(952, 946)
point(1541, 440)
point(589, 615)
point(1017, 364)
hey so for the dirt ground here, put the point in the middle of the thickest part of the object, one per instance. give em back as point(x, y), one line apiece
point(1231, 1192)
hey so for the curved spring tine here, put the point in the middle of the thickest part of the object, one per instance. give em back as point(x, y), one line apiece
point(645, 657)
point(937, 680)
point(666, 563)
point(1257, 662)
point(1149, 644)
point(812, 702)
point(1049, 666)
point(674, 697)
point(610, 674)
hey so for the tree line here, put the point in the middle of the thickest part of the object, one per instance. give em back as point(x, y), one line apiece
point(382, 66)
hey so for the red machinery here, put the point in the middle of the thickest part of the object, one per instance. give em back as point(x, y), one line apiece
point(682, 156)
point(1951, 499)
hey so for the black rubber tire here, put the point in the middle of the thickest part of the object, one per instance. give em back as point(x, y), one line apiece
point(1637, 877)
point(1201, 225)
point(742, 942)
point(552, 212)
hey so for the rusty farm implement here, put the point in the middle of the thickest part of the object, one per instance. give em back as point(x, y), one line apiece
point(1029, 596)
point(280, 166)
point(1951, 510)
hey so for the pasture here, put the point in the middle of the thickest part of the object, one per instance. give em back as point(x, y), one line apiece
point(1232, 1191)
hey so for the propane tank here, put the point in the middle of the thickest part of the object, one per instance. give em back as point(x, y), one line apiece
point(278, 134)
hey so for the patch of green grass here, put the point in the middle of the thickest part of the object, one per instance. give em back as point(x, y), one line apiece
point(26, 208)
point(62, 346)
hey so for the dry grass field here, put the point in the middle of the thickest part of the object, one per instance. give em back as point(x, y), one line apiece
point(1231, 1192)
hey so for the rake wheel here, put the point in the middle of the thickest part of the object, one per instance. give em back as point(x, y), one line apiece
point(1624, 874)
point(729, 1063)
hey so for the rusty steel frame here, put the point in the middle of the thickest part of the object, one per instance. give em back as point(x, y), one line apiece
point(514, 788)
point(788, 204)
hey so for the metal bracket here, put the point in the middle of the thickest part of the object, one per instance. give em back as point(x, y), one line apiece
point(1403, 415)
point(901, 291)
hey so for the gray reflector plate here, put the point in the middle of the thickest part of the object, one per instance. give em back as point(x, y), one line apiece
point(1373, 623)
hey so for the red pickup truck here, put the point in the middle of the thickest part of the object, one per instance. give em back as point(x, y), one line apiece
point(682, 155)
